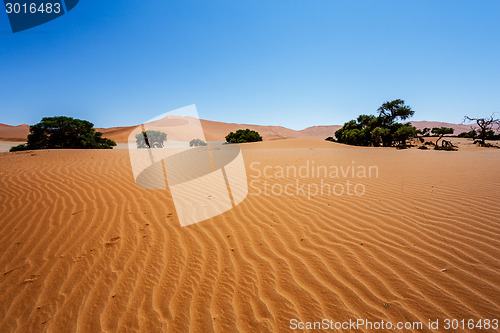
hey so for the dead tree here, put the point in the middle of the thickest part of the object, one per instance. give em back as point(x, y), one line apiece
point(485, 125)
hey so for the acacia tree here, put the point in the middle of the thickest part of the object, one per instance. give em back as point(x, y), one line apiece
point(64, 133)
point(404, 133)
point(485, 125)
point(442, 131)
point(150, 139)
point(426, 131)
point(197, 142)
point(383, 129)
point(241, 136)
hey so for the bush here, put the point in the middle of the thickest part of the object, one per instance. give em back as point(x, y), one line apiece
point(449, 148)
point(22, 147)
point(423, 147)
point(469, 135)
point(242, 136)
point(332, 139)
point(490, 135)
point(197, 143)
point(150, 139)
point(64, 133)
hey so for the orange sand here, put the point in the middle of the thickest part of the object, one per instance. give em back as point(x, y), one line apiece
point(82, 248)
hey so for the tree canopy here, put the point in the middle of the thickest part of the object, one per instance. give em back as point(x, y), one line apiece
point(390, 111)
point(241, 136)
point(64, 133)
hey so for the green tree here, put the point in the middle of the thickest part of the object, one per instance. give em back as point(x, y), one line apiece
point(378, 135)
point(404, 133)
point(442, 131)
point(241, 136)
point(150, 139)
point(370, 130)
point(426, 131)
point(64, 133)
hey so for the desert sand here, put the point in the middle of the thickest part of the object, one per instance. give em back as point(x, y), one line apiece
point(82, 248)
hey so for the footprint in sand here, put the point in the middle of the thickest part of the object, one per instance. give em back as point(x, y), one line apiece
point(112, 241)
point(31, 279)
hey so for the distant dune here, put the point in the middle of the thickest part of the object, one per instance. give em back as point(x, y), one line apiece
point(321, 132)
point(14, 133)
point(459, 128)
point(216, 131)
point(118, 134)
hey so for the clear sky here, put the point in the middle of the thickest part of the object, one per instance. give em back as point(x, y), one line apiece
point(274, 62)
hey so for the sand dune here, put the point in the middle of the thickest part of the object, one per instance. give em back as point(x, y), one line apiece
point(321, 132)
point(117, 134)
point(82, 248)
point(14, 133)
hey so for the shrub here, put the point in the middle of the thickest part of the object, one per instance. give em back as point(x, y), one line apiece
point(449, 148)
point(332, 139)
point(22, 147)
point(423, 147)
point(470, 135)
point(241, 136)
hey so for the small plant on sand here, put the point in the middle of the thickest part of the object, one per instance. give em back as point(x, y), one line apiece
point(423, 147)
point(241, 136)
point(64, 133)
point(330, 138)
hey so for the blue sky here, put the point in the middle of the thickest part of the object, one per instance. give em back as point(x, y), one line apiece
point(290, 63)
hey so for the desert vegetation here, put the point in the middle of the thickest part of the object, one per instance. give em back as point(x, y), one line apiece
point(485, 131)
point(64, 133)
point(382, 130)
point(197, 143)
point(150, 139)
point(242, 136)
